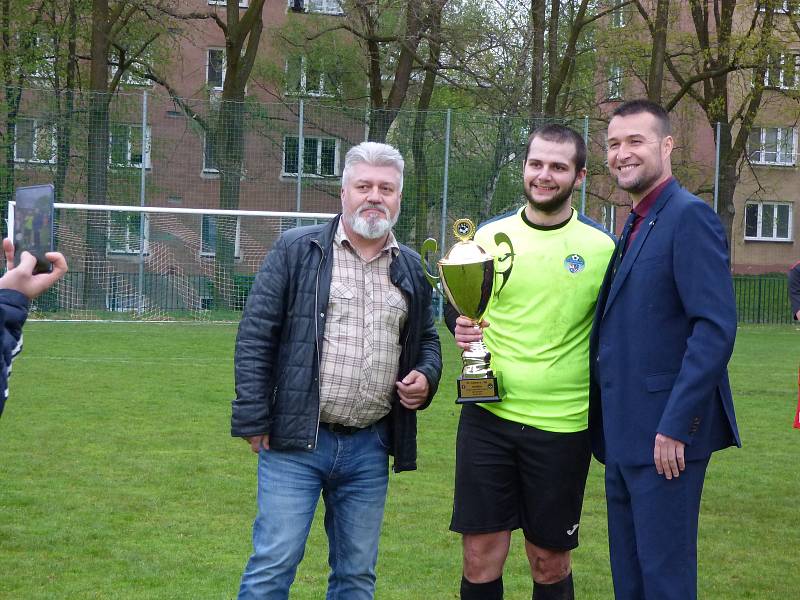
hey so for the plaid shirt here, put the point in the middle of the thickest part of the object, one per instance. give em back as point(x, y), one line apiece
point(361, 344)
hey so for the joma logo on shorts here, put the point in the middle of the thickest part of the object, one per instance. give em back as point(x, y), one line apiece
point(573, 530)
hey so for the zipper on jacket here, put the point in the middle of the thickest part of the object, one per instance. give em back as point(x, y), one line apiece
point(316, 343)
point(410, 301)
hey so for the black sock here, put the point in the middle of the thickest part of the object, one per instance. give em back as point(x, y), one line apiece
point(560, 590)
point(491, 590)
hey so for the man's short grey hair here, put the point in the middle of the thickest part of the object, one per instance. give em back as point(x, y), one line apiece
point(376, 155)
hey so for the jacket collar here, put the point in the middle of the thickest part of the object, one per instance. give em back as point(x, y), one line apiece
point(325, 236)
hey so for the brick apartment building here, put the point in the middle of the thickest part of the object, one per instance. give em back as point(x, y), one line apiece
point(181, 169)
point(766, 228)
point(161, 154)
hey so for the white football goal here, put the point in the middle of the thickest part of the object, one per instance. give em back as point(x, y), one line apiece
point(159, 263)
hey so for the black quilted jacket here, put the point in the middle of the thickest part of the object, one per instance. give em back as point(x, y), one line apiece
point(280, 341)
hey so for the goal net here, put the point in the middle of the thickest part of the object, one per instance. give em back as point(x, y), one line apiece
point(159, 263)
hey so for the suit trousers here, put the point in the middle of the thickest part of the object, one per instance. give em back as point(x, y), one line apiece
point(652, 531)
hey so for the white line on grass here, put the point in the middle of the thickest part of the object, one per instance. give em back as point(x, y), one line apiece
point(138, 361)
point(90, 321)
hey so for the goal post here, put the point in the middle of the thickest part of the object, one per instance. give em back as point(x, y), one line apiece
point(159, 263)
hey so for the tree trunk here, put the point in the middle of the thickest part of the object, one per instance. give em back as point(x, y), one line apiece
point(418, 144)
point(501, 148)
point(242, 39)
point(552, 36)
point(230, 141)
point(97, 169)
point(537, 58)
point(560, 75)
point(66, 114)
point(380, 120)
point(10, 109)
point(655, 77)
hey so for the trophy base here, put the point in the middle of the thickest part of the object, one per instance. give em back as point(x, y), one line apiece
point(472, 391)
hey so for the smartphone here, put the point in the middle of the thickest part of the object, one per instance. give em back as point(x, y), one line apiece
point(33, 224)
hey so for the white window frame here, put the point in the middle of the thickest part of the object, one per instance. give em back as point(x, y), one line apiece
point(615, 82)
point(782, 158)
point(236, 244)
point(206, 167)
point(38, 126)
point(129, 146)
point(780, 84)
point(130, 244)
point(783, 8)
point(242, 3)
point(324, 85)
point(337, 152)
point(323, 7)
point(772, 236)
point(208, 68)
point(617, 17)
point(49, 60)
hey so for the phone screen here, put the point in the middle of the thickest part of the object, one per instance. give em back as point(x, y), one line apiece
point(33, 224)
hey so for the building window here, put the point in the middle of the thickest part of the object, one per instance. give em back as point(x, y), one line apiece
point(35, 141)
point(43, 57)
point(615, 83)
point(618, 17)
point(768, 221)
point(287, 223)
point(320, 156)
point(208, 236)
point(782, 71)
point(210, 164)
point(785, 7)
point(608, 215)
point(302, 78)
point(126, 147)
point(771, 146)
point(242, 3)
point(327, 7)
point(215, 68)
point(125, 232)
point(134, 74)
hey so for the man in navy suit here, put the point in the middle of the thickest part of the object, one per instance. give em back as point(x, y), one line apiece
point(663, 333)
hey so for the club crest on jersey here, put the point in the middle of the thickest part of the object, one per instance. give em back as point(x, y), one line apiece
point(574, 263)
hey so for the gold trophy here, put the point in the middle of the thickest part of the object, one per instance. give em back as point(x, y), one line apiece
point(467, 276)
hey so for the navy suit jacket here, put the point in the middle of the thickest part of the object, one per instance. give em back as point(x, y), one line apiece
point(663, 333)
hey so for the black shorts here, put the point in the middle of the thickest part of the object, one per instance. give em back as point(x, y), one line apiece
point(511, 476)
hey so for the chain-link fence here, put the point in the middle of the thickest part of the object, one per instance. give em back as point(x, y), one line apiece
point(146, 149)
point(152, 150)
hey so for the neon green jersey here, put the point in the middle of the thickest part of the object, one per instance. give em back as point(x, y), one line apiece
point(539, 323)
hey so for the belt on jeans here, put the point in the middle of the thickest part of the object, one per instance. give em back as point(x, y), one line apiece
point(339, 428)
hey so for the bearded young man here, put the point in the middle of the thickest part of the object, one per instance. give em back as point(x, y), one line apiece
point(522, 463)
point(336, 352)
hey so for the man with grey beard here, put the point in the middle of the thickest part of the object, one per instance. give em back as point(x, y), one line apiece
point(336, 352)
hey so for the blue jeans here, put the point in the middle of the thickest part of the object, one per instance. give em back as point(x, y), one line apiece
point(352, 473)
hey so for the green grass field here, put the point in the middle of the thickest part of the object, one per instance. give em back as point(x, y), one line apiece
point(118, 478)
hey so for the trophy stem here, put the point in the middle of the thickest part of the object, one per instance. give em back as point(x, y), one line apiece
point(476, 383)
point(476, 361)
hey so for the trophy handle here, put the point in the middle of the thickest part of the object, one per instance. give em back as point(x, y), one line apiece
point(430, 245)
point(499, 239)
